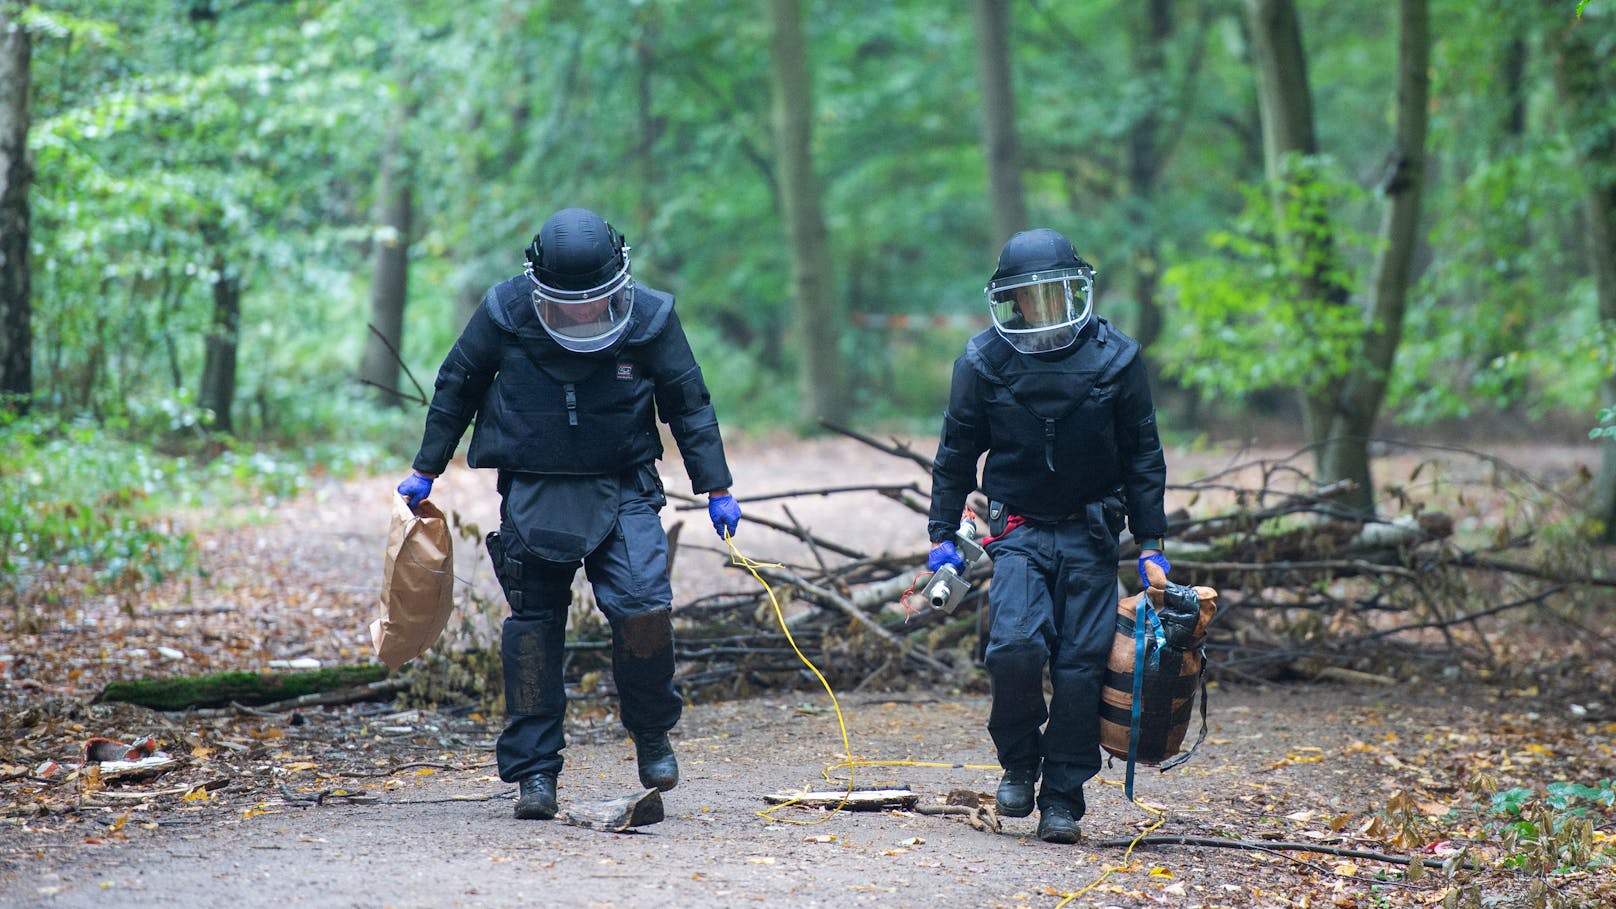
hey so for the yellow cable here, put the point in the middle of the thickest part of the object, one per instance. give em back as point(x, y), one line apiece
point(1161, 818)
point(737, 558)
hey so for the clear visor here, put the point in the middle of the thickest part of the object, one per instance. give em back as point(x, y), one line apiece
point(588, 320)
point(1041, 312)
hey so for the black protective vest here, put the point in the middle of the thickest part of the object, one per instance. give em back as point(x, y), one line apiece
point(553, 411)
point(1052, 422)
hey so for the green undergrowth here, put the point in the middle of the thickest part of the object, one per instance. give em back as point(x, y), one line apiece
point(85, 500)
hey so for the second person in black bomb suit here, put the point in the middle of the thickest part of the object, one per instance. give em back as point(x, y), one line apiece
point(565, 368)
point(1060, 401)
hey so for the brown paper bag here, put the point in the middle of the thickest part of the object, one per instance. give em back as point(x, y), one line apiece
point(417, 584)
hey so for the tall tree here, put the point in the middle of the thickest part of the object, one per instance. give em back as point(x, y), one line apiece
point(1000, 144)
point(1585, 83)
point(16, 303)
point(823, 390)
point(1358, 401)
point(1340, 403)
point(390, 262)
point(1151, 25)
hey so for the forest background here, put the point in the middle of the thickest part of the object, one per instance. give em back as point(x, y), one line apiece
point(222, 219)
point(238, 236)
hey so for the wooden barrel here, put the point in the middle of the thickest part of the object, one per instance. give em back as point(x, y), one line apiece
point(1167, 696)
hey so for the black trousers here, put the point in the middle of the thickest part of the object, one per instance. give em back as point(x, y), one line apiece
point(628, 571)
point(1052, 604)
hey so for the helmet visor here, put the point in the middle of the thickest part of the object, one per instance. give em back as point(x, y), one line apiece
point(585, 321)
point(1044, 311)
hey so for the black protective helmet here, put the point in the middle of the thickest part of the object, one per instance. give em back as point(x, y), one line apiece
point(1042, 294)
point(582, 288)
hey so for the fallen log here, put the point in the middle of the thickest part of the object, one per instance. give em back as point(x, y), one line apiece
point(248, 688)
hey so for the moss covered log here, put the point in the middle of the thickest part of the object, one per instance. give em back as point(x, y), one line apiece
point(247, 688)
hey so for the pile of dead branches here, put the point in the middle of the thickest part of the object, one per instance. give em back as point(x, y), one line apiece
point(1308, 587)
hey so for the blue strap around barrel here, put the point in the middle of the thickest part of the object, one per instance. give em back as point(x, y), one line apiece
point(1144, 618)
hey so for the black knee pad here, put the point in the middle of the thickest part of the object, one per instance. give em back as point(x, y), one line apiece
point(531, 655)
point(645, 634)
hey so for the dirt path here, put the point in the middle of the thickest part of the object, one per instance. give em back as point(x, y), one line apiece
point(371, 807)
point(1281, 762)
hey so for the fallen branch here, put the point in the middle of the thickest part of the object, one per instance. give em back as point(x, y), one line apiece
point(896, 448)
point(1176, 839)
point(840, 602)
point(790, 531)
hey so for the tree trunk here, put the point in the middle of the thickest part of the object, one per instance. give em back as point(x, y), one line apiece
point(1365, 388)
point(822, 377)
point(218, 391)
point(1152, 27)
point(1585, 88)
point(1285, 103)
point(16, 303)
point(999, 141)
point(390, 266)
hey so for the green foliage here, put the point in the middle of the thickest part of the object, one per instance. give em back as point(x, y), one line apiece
point(81, 496)
point(1553, 832)
point(74, 496)
point(175, 151)
point(1249, 321)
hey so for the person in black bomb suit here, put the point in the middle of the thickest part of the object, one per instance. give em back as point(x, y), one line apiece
point(1060, 402)
point(566, 368)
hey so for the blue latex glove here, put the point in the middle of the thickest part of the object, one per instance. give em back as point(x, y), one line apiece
point(945, 553)
point(726, 515)
point(415, 488)
point(1157, 559)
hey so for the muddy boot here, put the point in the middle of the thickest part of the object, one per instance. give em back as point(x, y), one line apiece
point(1057, 825)
point(659, 769)
point(1015, 795)
point(536, 798)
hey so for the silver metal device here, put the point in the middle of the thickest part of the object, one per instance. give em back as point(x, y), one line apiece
point(946, 589)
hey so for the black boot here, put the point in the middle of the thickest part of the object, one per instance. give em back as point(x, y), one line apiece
point(1056, 824)
point(1015, 795)
point(659, 769)
point(536, 798)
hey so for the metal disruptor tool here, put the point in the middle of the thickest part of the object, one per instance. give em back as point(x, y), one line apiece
point(946, 589)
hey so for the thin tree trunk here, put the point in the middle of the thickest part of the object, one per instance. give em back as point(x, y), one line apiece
point(999, 141)
point(649, 124)
point(1585, 87)
point(823, 380)
point(1365, 388)
point(390, 264)
point(1285, 103)
point(16, 303)
point(1152, 28)
point(218, 392)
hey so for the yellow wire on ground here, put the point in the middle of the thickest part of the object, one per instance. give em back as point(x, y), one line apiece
point(1161, 818)
point(738, 558)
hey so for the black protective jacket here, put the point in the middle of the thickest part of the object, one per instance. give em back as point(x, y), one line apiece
point(542, 409)
point(1060, 432)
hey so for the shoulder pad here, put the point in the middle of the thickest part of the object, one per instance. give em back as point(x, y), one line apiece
point(1127, 348)
point(652, 308)
point(987, 351)
point(510, 304)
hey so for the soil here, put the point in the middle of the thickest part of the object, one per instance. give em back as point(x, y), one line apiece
point(370, 805)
